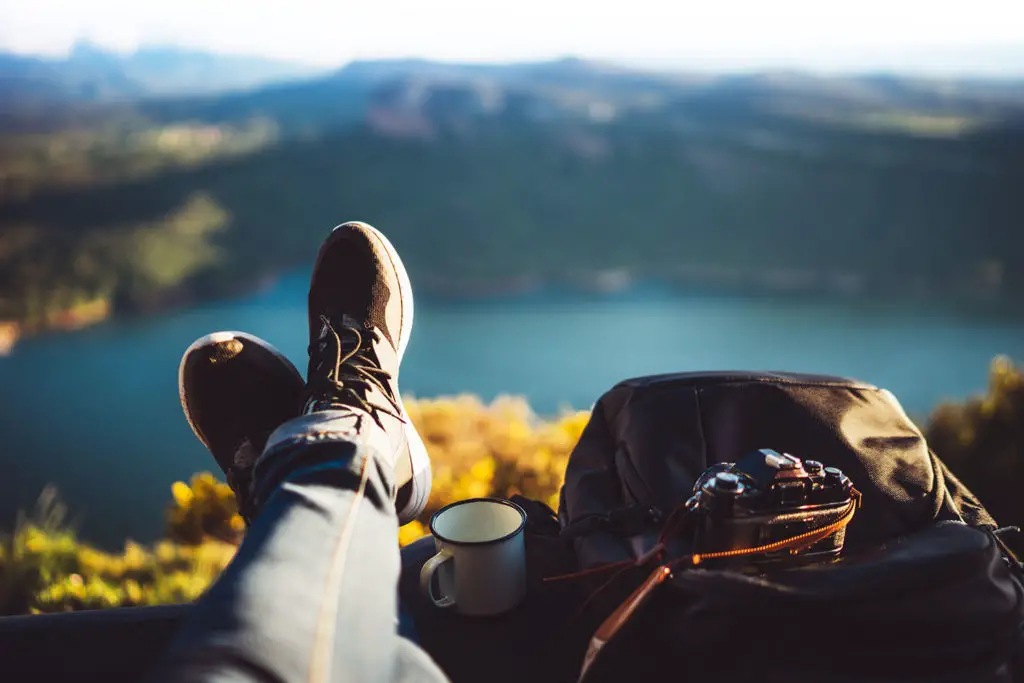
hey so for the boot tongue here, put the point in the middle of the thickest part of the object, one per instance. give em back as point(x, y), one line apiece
point(345, 327)
point(349, 338)
point(346, 332)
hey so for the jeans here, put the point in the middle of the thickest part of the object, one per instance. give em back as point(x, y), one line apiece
point(311, 594)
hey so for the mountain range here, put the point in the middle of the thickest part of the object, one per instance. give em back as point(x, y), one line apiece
point(92, 74)
point(158, 188)
point(165, 84)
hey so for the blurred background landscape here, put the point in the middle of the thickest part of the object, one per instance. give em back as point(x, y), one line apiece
point(580, 195)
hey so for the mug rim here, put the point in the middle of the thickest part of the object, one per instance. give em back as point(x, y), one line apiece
point(485, 499)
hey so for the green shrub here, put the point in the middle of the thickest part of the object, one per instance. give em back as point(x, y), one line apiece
point(982, 441)
point(476, 450)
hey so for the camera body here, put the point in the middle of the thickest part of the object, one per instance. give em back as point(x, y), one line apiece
point(765, 497)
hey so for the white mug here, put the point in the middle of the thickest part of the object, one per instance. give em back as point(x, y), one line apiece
point(481, 557)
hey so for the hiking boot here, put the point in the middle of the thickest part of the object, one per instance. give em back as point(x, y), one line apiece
point(235, 390)
point(360, 318)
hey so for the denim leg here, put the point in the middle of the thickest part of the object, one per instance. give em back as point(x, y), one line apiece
point(311, 595)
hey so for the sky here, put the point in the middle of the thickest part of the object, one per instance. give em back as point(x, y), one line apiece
point(982, 37)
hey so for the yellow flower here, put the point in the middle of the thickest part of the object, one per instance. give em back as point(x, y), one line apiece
point(165, 552)
point(518, 430)
point(183, 495)
point(135, 556)
point(542, 458)
point(476, 449)
point(36, 542)
point(204, 485)
point(412, 531)
point(237, 523)
point(224, 494)
point(483, 470)
point(133, 591)
point(572, 425)
point(75, 589)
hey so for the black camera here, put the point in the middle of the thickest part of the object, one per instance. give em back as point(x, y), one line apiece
point(767, 500)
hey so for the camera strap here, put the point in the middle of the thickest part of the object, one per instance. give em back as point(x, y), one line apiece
point(629, 607)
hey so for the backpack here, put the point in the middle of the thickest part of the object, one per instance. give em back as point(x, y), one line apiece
point(925, 589)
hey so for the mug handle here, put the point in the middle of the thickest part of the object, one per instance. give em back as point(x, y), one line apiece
point(430, 567)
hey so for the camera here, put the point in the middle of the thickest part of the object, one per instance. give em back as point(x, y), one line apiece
point(765, 499)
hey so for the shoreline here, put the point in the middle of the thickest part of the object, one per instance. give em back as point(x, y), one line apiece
point(83, 314)
point(10, 333)
point(795, 286)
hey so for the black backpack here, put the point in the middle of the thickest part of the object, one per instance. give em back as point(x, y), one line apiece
point(925, 590)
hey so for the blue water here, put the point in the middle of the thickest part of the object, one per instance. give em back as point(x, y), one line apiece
point(96, 411)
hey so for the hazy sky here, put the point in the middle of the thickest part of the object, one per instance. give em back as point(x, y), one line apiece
point(981, 36)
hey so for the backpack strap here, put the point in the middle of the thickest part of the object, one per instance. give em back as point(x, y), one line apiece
point(1009, 556)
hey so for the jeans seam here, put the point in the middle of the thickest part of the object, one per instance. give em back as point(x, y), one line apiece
point(320, 663)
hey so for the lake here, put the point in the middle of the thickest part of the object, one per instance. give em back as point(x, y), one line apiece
point(96, 411)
